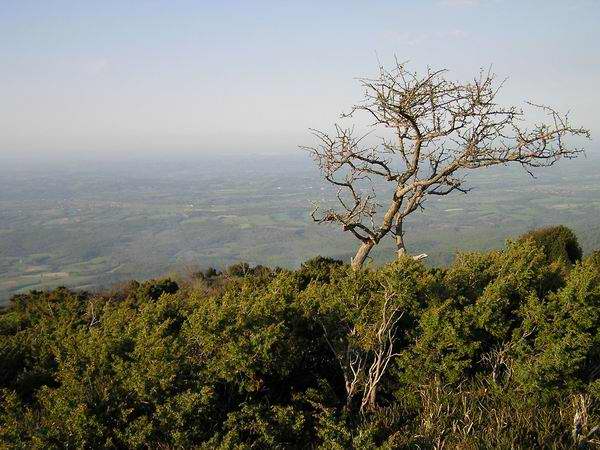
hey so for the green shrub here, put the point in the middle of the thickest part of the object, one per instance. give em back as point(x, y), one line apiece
point(594, 259)
point(153, 289)
point(559, 243)
point(498, 350)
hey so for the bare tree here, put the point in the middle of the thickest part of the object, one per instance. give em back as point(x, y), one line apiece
point(435, 130)
point(362, 366)
point(383, 352)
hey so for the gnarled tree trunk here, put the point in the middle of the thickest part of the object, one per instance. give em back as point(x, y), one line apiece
point(400, 246)
point(361, 254)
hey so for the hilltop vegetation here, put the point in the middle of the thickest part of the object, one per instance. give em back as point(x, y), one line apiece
point(498, 350)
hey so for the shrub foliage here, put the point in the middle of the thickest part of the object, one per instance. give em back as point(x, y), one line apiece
point(498, 350)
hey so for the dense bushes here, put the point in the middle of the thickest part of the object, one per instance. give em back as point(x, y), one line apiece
point(559, 243)
point(499, 350)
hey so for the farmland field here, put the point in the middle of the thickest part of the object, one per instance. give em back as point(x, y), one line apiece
point(85, 225)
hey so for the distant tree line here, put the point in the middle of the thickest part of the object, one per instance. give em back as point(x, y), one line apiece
point(500, 349)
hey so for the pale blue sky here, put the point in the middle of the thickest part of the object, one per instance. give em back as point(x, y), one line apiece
point(113, 77)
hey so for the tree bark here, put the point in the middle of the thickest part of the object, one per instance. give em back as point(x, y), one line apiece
point(371, 400)
point(361, 254)
point(400, 246)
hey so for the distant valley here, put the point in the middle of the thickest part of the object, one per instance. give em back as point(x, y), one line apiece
point(85, 225)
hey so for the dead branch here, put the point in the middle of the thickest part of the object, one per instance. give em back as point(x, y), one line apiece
point(439, 130)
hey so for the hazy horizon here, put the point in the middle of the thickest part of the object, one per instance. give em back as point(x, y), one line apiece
point(173, 78)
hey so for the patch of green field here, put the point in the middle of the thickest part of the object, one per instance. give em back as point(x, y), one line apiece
point(143, 225)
